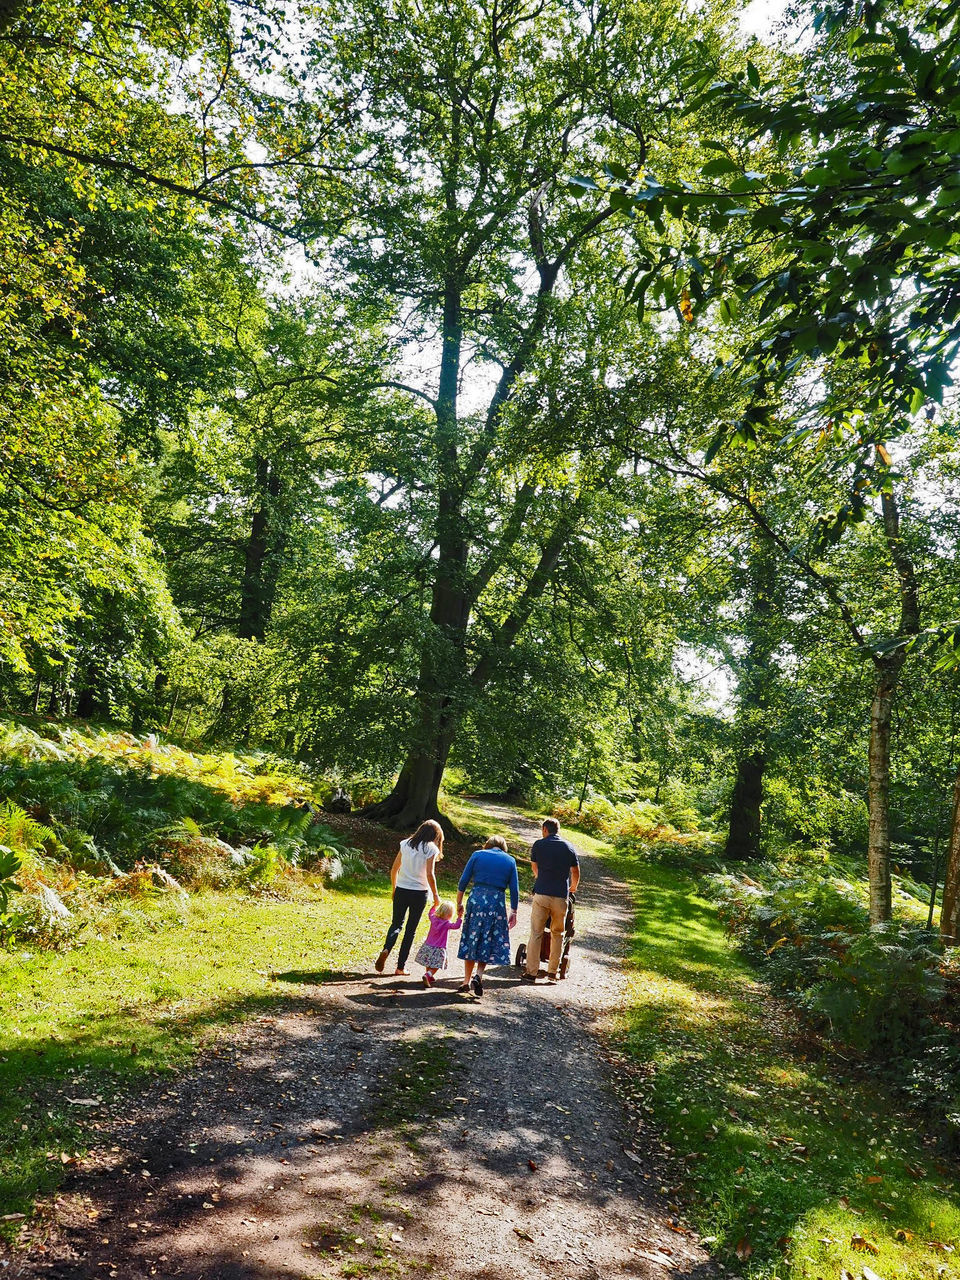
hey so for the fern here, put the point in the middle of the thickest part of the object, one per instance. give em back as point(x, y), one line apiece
point(20, 831)
point(10, 864)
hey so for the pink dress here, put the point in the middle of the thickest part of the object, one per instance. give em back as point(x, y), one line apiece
point(432, 953)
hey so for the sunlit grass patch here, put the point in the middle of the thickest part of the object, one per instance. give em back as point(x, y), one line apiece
point(796, 1166)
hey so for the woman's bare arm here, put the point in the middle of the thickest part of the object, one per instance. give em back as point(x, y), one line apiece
point(394, 872)
point(432, 880)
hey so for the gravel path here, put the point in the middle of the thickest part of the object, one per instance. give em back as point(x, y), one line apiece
point(378, 1129)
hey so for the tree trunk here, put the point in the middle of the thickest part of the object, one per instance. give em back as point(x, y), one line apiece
point(261, 555)
point(446, 688)
point(440, 685)
point(415, 795)
point(586, 783)
point(888, 675)
point(755, 678)
point(743, 839)
point(950, 901)
point(878, 793)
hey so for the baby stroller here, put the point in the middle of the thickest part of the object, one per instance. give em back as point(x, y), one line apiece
point(520, 960)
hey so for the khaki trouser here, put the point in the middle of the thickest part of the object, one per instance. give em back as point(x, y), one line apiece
point(545, 910)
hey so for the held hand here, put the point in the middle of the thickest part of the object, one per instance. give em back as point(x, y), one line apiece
point(511, 920)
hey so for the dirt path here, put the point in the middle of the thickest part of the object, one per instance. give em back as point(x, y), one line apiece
point(378, 1129)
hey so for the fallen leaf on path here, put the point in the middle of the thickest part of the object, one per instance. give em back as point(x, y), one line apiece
point(743, 1249)
point(12, 1217)
point(85, 1102)
point(863, 1245)
point(632, 1155)
point(903, 1234)
point(397, 1238)
point(876, 1177)
point(491, 1213)
point(523, 1235)
point(532, 1164)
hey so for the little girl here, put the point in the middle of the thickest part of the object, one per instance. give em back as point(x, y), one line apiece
point(433, 950)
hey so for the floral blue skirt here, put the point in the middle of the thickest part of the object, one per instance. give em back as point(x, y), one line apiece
point(486, 936)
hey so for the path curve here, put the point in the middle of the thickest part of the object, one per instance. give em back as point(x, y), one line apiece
point(378, 1129)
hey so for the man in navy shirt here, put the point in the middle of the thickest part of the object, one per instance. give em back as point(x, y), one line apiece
point(556, 870)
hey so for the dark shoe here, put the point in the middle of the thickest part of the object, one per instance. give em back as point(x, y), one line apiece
point(464, 990)
point(380, 961)
point(477, 985)
point(527, 977)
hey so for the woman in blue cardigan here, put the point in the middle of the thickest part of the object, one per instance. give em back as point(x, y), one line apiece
point(485, 938)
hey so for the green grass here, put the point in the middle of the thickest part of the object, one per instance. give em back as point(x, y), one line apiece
point(79, 1023)
point(787, 1157)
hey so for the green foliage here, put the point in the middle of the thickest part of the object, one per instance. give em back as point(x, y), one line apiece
point(10, 864)
point(881, 991)
point(878, 993)
point(116, 807)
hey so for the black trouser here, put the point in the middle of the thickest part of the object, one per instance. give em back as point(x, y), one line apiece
point(404, 901)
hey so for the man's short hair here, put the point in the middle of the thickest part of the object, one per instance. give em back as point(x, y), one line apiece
point(551, 825)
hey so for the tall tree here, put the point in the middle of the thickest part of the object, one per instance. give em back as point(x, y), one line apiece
point(469, 120)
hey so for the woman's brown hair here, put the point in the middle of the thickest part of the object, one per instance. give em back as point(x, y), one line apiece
point(426, 832)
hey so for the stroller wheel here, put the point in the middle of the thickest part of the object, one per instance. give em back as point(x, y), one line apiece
point(520, 960)
point(564, 968)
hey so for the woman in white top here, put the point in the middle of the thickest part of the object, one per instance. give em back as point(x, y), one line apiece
point(413, 877)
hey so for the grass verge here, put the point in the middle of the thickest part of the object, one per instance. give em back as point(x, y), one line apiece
point(77, 1024)
point(796, 1166)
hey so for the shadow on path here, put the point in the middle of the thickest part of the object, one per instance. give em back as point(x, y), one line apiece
point(378, 1127)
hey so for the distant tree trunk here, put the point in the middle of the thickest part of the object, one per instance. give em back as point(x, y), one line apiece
point(888, 669)
point(89, 702)
point(743, 838)
point(586, 782)
point(878, 791)
point(935, 869)
point(756, 677)
point(258, 587)
point(86, 703)
point(950, 902)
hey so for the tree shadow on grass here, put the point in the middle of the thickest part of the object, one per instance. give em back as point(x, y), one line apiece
point(320, 977)
point(41, 1129)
